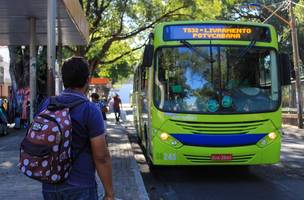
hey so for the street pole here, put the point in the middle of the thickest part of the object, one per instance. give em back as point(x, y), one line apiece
point(275, 14)
point(33, 77)
point(296, 59)
point(51, 45)
point(58, 79)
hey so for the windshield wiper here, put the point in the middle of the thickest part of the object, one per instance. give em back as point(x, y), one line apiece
point(190, 46)
point(245, 51)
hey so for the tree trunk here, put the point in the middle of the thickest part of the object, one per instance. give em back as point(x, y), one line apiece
point(13, 56)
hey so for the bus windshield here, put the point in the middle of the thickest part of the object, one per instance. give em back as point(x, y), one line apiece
point(216, 79)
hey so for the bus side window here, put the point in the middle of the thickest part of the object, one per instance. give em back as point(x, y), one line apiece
point(144, 81)
point(265, 71)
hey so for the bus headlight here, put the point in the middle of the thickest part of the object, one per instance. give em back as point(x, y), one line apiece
point(164, 136)
point(272, 135)
point(269, 138)
point(169, 140)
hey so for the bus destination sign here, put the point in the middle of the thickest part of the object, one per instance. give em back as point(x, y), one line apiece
point(216, 32)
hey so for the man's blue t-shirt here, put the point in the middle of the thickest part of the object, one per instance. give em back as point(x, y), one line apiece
point(87, 123)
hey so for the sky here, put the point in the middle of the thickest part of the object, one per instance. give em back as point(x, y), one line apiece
point(123, 92)
point(4, 53)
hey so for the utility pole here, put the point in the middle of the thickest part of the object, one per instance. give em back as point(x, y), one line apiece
point(51, 47)
point(33, 77)
point(296, 59)
point(58, 79)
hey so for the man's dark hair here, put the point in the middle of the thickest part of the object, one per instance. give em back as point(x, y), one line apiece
point(95, 96)
point(75, 72)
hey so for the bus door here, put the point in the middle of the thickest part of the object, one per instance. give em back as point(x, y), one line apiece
point(136, 86)
point(143, 107)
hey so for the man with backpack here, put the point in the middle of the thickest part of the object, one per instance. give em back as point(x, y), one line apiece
point(65, 144)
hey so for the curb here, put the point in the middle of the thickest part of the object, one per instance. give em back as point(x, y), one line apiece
point(143, 194)
point(138, 178)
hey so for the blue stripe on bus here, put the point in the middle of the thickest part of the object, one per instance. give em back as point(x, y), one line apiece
point(222, 140)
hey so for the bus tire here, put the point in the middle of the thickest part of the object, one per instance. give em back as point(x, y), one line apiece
point(148, 159)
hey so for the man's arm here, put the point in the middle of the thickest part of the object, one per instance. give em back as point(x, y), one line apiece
point(102, 160)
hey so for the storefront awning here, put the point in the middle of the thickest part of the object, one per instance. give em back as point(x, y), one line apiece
point(99, 81)
point(14, 22)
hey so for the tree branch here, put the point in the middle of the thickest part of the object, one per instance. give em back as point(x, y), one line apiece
point(247, 15)
point(98, 15)
point(88, 8)
point(122, 55)
point(106, 46)
point(140, 29)
point(121, 18)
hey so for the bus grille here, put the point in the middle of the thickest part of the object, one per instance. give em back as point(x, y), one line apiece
point(219, 127)
point(207, 159)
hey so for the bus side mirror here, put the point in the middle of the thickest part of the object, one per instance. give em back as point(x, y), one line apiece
point(286, 69)
point(148, 55)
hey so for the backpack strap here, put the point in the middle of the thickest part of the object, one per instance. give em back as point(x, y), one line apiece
point(56, 105)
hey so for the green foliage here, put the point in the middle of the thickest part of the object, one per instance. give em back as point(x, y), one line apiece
point(299, 12)
point(117, 72)
point(120, 28)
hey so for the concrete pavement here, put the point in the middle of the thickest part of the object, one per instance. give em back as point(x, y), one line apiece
point(128, 183)
point(293, 131)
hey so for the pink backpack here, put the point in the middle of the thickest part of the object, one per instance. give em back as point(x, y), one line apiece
point(45, 152)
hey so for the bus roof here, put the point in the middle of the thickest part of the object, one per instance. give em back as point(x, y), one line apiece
point(162, 24)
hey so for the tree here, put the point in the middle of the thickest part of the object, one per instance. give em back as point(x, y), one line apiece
point(118, 28)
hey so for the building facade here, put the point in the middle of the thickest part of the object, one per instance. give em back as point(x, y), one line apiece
point(5, 80)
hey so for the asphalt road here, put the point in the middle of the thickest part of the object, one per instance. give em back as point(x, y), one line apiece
point(283, 181)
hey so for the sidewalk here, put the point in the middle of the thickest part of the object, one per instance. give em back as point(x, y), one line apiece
point(293, 131)
point(128, 183)
point(127, 180)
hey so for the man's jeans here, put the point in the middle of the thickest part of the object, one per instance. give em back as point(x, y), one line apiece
point(63, 193)
point(117, 114)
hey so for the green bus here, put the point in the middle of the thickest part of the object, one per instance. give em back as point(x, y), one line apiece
point(209, 93)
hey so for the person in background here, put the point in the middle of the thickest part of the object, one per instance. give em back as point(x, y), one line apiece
point(95, 100)
point(101, 105)
point(116, 107)
point(5, 105)
point(3, 119)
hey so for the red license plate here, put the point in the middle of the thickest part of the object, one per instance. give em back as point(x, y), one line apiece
point(221, 157)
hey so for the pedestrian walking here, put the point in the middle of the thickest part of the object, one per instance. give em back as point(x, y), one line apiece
point(116, 107)
point(80, 152)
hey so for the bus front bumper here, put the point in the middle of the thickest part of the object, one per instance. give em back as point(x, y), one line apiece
point(165, 153)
